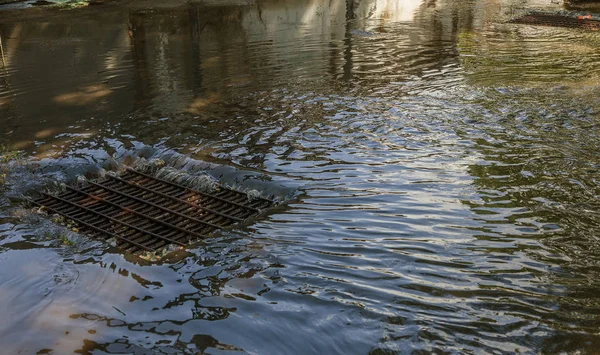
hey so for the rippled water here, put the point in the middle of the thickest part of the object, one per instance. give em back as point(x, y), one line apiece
point(441, 168)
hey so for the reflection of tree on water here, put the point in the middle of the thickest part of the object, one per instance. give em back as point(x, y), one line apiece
point(193, 55)
point(246, 48)
point(187, 57)
point(5, 88)
point(350, 17)
point(144, 84)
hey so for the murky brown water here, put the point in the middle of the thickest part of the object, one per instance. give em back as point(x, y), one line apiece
point(445, 166)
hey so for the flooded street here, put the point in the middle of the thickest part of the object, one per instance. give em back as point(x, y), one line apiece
point(439, 167)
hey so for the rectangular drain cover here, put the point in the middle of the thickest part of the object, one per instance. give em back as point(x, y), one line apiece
point(554, 20)
point(145, 213)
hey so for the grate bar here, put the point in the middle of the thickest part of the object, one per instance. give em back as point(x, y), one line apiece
point(116, 220)
point(193, 190)
point(130, 210)
point(195, 205)
point(143, 212)
point(91, 226)
point(154, 204)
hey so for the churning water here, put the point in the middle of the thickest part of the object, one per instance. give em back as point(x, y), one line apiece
point(441, 167)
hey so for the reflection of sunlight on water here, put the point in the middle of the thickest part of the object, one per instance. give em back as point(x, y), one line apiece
point(390, 10)
point(317, 13)
point(85, 96)
point(201, 103)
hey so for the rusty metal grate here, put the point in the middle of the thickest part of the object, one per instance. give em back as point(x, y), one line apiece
point(558, 21)
point(145, 213)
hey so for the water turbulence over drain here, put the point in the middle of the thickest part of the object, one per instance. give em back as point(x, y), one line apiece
point(145, 213)
point(554, 20)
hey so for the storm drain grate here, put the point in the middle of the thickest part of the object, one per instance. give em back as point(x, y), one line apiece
point(559, 21)
point(145, 213)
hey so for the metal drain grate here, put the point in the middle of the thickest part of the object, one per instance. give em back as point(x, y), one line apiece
point(558, 21)
point(145, 213)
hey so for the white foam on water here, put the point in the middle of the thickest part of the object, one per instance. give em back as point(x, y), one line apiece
point(201, 182)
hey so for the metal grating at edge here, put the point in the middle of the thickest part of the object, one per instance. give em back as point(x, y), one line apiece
point(558, 21)
point(145, 213)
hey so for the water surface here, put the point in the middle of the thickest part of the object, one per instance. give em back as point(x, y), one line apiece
point(444, 166)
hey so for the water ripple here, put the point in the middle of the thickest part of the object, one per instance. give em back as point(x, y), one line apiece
point(439, 168)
